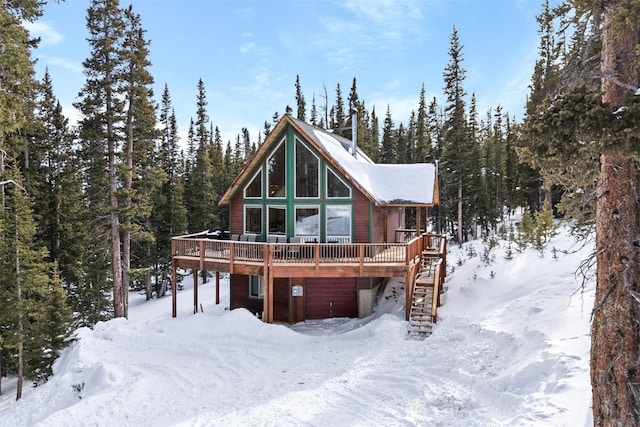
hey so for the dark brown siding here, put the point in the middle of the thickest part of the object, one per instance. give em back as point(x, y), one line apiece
point(378, 225)
point(360, 214)
point(236, 213)
point(239, 295)
point(281, 297)
point(334, 297)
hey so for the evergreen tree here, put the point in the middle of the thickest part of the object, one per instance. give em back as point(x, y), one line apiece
point(422, 149)
point(478, 211)
point(314, 111)
point(338, 116)
point(30, 297)
point(576, 135)
point(301, 104)
point(101, 137)
point(202, 197)
point(141, 175)
point(388, 152)
point(454, 147)
point(169, 215)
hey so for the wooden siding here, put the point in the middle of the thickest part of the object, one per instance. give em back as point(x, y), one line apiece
point(332, 297)
point(360, 217)
point(237, 214)
point(281, 299)
point(239, 295)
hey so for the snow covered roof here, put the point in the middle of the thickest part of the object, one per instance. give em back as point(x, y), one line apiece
point(384, 184)
point(401, 184)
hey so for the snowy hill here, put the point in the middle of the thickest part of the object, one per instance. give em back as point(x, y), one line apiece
point(511, 348)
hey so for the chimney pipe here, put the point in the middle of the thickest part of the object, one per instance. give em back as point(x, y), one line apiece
point(354, 130)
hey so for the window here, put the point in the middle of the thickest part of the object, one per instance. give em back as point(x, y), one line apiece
point(308, 222)
point(256, 287)
point(253, 219)
point(254, 188)
point(307, 172)
point(276, 169)
point(336, 188)
point(339, 223)
point(277, 220)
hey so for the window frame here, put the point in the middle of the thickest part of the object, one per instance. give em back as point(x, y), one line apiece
point(306, 237)
point(255, 175)
point(339, 238)
point(258, 283)
point(326, 186)
point(297, 141)
point(244, 219)
point(282, 207)
point(281, 145)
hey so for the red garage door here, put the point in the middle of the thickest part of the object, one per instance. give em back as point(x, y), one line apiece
point(332, 297)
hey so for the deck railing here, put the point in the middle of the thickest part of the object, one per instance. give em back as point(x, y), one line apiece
point(294, 253)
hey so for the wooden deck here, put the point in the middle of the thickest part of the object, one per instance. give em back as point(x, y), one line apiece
point(304, 260)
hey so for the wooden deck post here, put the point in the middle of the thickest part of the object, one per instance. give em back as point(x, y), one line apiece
point(267, 283)
point(174, 291)
point(195, 291)
point(217, 287)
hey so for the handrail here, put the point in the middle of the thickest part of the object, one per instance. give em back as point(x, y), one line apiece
point(305, 252)
point(435, 302)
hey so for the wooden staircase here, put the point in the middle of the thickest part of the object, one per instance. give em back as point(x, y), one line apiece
point(420, 318)
point(425, 298)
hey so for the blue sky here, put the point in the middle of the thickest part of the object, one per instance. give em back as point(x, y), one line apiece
point(248, 53)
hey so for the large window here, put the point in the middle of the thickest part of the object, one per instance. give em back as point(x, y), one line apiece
point(276, 171)
point(338, 223)
point(277, 220)
point(308, 222)
point(256, 287)
point(253, 219)
point(254, 188)
point(307, 172)
point(336, 188)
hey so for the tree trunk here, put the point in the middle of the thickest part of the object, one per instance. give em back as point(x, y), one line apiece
point(615, 332)
point(21, 315)
point(461, 232)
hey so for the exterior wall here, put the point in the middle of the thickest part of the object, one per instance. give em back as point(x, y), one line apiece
point(395, 219)
point(335, 297)
point(281, 299)
point(237, 213)
point(360, 218)
point(239, 295)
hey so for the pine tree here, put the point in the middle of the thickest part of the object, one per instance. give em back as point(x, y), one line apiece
point(615, 332)
point(300, 103)
point(30, 297)
point(202, 197)
point(169, 214)
point(422, 149)
point(141, 175)
point(454, 147)
point(388, 152)
point(101, 135)
point(338, 116)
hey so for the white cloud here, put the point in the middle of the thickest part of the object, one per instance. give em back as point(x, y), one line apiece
point(65, 63)
point(48, 35)
point(247, 47)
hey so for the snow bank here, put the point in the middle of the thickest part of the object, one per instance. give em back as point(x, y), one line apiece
point(511, 348)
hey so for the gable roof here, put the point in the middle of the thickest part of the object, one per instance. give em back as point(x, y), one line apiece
point(384, 184)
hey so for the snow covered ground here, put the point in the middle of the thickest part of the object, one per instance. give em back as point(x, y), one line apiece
point(511, 349)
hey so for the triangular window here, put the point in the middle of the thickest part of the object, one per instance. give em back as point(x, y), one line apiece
point(336, 188)
point(254, 188)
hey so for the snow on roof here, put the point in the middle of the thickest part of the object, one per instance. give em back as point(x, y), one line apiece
point(386, 183)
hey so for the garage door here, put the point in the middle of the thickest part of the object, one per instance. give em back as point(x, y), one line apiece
point(331, 297)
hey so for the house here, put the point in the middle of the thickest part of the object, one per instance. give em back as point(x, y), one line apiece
point(316, 227)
